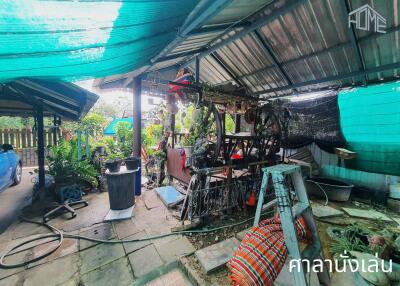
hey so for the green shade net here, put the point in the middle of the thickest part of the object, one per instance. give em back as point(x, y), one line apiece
point(370, 122)
point(76, 40)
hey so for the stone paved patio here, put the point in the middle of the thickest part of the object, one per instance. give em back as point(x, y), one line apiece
point(84, 263)
point(80, 262)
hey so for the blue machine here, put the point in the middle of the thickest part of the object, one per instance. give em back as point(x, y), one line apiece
point(10, 167)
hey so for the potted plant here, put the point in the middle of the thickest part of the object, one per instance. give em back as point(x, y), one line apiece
point(113, 163)
point(67, 170)
point(132, 163)
point(101, 150)
point(187, 143)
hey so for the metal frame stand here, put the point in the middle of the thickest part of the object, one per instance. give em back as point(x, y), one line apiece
point(288, 215)
point(66, 207)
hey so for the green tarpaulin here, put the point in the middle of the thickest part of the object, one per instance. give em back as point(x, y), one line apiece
point(370, 122)
point(76, 40)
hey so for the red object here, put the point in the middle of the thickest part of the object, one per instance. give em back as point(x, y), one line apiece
point(144, 154)
point(251, 202)
point(236, 156)
point(184, 79)
point(183, 159)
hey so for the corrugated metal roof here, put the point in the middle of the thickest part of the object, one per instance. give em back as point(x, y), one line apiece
point(237, 10)
point(66, 100)
point(293, 46)
point(211, 72)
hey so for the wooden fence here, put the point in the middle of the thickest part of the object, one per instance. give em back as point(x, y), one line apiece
point(24, 138)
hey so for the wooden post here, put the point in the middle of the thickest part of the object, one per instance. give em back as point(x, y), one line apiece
point(29, 137)
point(173, 130)
point(137, 130)
point(223, 117)
point(40, 143)
point(237, 119)
point(237, 123)
point(23, 137)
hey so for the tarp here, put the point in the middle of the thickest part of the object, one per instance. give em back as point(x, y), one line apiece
point(110, 129)
point(370, 121)
point(313, 117)
point(76, 40)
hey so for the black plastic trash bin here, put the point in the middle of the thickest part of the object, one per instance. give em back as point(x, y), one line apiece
point(121, 188)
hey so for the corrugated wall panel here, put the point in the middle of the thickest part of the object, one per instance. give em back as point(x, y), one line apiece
point(370, 122)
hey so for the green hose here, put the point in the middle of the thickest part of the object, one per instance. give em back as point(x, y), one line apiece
point(60, 237)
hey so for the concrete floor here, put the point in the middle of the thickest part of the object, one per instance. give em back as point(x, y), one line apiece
point(14, 199)
point(83, 263)
point(79, 262)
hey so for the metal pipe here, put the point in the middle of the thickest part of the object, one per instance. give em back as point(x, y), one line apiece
point(197, 70)
point(87, 144)
point(79, 144)
point(219, 28)
point(332, 49)
point(267, 48)
point(179, 55)
point(354, 43)
point(227, 70)
point(332, 78)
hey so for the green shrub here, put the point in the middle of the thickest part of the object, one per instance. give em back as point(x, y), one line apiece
point(64, 165)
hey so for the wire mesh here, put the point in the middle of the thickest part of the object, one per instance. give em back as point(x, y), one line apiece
point(224, 195)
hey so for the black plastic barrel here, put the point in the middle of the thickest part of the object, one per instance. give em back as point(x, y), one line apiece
point(121, 189)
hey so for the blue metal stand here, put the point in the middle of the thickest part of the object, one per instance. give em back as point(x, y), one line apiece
point(87, 144)
point(289, 214)
point(138, 180)
point(79, 135)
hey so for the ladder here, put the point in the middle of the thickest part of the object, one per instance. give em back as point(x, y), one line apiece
point(289, 214)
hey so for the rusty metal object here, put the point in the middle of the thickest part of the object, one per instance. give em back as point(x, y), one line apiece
point(174, 167)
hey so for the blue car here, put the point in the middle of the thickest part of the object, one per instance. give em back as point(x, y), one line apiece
point(10, 167)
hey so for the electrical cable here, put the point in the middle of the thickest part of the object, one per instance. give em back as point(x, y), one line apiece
point(60, 237)
point(322, 189)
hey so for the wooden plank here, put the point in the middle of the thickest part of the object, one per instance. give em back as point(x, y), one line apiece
point(50, 132)
point(18, 138)
point(48, 138)
point(29, 137)
point(12, 137)
point(6, 136)
point(23, 138)
point(34, 139)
